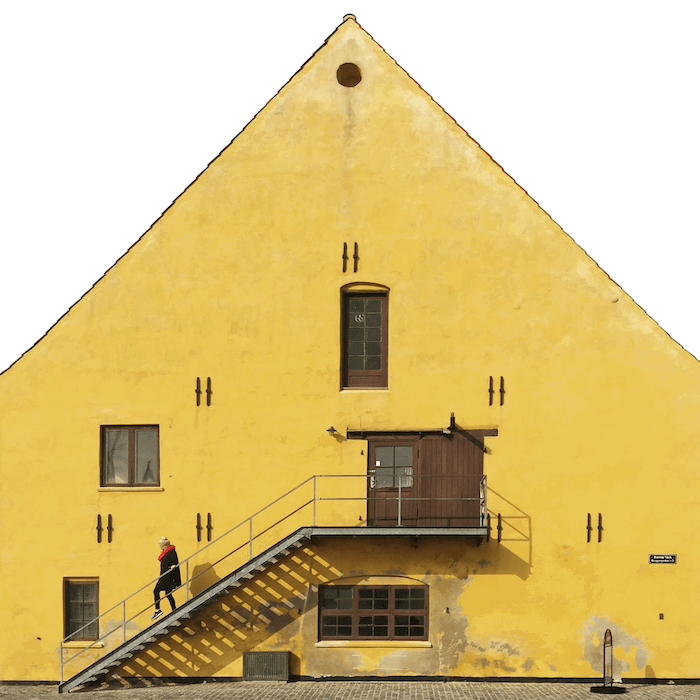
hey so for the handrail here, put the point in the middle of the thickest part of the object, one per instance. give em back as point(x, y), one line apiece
point(481, 498)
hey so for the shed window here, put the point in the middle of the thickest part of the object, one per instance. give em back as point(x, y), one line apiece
point(365, 326)
point(373, 612)
point(80, 604)
point(130, 455)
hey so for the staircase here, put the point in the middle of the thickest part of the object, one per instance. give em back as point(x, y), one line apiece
point(303, 502)
point(165, 624)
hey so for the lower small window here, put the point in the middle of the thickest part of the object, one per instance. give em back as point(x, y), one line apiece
point(373, 612)
point(81, 608)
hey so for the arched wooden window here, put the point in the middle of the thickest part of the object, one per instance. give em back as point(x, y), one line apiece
point(365, 331)
point(373, 612)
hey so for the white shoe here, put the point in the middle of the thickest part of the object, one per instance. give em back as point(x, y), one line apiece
point(157, 614)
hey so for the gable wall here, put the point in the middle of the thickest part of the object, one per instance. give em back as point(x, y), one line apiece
point(240, 280)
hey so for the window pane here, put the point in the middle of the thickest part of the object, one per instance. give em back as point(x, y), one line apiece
point(374, 334)
point(384, 477)
point(356, 362)
point(329, 598)
point(401, 626)
point(336, 626)
point(356, 348)
point(373, 348)
point(373, 599)
point(115, 456)
point(417, 599)
point(357, 320)
point(404, 456)
point(374, 362)
point(336, 599)
point(345, 599)
point(356, 305)
point(373, 626)
point(409, 599)
point(404, 477)
point(365, 599)
point(384, 456)
point(373, 320)
point(146, 455)
point(374, 305)
point(358, 335)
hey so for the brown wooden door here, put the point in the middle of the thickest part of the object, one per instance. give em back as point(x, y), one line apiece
point(449, 481)
point(440, 481)
point(391, 464)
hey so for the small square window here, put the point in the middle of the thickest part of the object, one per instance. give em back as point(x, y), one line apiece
point(129, 455)
point(394, 466)
point(81, 609)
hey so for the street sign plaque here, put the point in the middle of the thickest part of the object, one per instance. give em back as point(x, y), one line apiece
point(662, 558)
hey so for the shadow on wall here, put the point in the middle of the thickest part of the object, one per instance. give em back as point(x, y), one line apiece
point(203, 576)
point(271, 602)
point(516, 536)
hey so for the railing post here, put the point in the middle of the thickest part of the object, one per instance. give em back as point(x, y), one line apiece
point(314, 502)
point(61, 653)
point(187, 580)
point(399, 508)
point(124, 620)
point(250, 538)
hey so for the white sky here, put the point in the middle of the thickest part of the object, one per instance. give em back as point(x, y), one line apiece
point(110, 109)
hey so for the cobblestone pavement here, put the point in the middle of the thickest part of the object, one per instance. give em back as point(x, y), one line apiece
point(356, 690)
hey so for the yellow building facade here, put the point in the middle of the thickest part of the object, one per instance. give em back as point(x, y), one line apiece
point(353, 319)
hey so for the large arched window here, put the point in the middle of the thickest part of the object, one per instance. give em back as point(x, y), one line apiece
point(373, 612)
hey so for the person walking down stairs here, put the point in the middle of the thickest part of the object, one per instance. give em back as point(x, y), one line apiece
point(169, 575)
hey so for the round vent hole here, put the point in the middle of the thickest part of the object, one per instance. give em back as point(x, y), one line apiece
point(348, 74)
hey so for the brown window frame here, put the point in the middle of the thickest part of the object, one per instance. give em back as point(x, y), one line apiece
point(91, 633)
point(397, 473)
point(391, 612)
point(131, 474)
point(365, 378)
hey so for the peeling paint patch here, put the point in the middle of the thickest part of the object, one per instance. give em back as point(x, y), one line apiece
point(453, 625)
point(641, 658)
point(623, 646)
point(499, 663)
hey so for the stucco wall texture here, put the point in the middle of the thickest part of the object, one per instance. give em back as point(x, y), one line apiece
point(241, 280)
point(472, 633)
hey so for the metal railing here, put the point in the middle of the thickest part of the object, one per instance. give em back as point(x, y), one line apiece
point(377, 495)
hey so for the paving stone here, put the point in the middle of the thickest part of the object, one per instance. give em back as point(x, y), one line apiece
point(354, 690)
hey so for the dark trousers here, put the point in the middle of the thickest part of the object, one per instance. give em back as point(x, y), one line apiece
point(156, 596)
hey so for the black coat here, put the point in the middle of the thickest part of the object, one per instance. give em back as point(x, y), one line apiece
point(169, 578)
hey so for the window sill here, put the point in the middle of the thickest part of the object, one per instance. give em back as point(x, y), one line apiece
point(371, 644)
point(131, 489)
point(354, 389)
point(83, 645)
